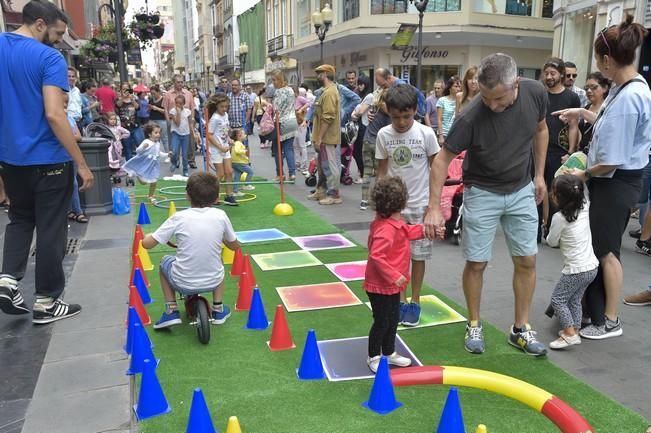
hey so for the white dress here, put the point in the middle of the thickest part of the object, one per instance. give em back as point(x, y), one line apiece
point(145, 164)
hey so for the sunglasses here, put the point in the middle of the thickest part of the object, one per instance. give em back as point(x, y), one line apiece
point(591, 87)
point(552, 64)
point(603, 37)
point(570, 75)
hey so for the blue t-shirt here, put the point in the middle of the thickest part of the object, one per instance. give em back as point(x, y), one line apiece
point(142, 108)
point(26, 65)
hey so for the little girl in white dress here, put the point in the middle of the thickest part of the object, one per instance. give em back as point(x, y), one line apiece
point(146, 164)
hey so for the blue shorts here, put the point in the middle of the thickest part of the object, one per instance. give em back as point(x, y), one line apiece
point(484, 210)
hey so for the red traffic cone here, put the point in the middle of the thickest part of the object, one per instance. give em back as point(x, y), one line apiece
point(137, 237)
point(245, 293)
point(281, 337)
point(137, 264)
point(249, 269)
point(238, 263)
point(136, 302)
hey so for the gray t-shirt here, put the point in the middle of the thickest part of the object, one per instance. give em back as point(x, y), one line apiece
point(499, 146)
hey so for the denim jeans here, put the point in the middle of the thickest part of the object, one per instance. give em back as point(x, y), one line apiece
point(287, 149)
point(180, 144)
point(238, 169)
point(75, 203)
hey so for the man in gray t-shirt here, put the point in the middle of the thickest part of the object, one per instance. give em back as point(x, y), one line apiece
point(505, 136)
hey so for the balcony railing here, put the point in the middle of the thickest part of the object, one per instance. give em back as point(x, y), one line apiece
point(278, 43)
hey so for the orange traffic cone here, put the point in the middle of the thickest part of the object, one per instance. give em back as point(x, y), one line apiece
point(137, 237)
point(248, 268)
point(245, 293)
point(281, 337)
point(136, 302)
point(137, 264)
point(238, 263)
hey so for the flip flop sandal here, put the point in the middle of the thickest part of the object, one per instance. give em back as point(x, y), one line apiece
point(81, 218)
point(72, 216)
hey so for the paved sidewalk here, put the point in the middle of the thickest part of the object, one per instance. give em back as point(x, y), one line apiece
point(82, 386)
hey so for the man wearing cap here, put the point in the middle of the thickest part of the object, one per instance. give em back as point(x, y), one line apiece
point(326, 137)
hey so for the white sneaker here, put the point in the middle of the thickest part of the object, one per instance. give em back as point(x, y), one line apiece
point(373, 363)
point(167, 160)
point(564, 341)
point(248, 187)
point(238, 194)
point(399, 360)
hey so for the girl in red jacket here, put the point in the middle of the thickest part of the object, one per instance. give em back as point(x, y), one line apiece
point(387, 270)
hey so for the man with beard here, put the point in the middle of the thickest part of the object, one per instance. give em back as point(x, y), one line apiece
point(563, 138)
point(570, 79)
point(351, 81)
point(37, 150)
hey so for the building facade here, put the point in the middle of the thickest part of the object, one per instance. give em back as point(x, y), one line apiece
point(280, 16)
point(578, 23)
point(456, 35)
point(249, 23)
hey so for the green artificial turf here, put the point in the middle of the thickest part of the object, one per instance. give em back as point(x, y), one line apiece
point(240, 376)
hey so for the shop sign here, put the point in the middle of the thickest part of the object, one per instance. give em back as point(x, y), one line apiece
point(357, 58)
point(411, 53)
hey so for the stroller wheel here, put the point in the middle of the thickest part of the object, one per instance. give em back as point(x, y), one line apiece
point(310, 180)
point(347, 180)
point(456, 239)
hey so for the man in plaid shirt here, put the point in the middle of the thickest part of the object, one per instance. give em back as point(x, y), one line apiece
point(240, 108)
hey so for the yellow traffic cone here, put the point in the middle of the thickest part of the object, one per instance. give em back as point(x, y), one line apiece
point(233, 425)
point(144, 258)
point(481, 428)
point(172, 210)
point(227, 255)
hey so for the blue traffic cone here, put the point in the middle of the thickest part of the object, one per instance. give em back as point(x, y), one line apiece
point(143, 216)
point(382, 399)
point(151, 401)
point(451, 418)
point(141, 286)
point(257, 316)
point(199, 420)
point(132, 319)
point(311, 367)
point(141, 350)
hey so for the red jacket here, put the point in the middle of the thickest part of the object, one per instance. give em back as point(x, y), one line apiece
point(389, 254)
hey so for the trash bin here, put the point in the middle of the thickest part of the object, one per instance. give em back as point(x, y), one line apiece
point(98, 200)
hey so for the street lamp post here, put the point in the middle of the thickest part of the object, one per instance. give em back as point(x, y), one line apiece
point(420, 6)
point(118, 14)
point(322, 21)
point(244, 51)
point(209, 79)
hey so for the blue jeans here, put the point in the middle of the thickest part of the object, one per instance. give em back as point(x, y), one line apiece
point(75, 203)
point(128, 146)
point(179, 143)
point(287, 149)
point(645, 195)
point(238, 169)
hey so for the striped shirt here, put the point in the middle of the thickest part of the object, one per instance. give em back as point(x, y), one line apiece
point(447, 117)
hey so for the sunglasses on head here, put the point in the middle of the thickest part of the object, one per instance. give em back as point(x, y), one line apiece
point(591, 87)
point(554, 65)
point(603, 37)
point(570, 75)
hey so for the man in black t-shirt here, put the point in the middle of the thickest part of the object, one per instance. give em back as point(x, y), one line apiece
point(563, 138)
point(505, 136)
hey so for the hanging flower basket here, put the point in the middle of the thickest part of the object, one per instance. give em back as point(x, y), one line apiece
point(147, 27)
point(102, 47)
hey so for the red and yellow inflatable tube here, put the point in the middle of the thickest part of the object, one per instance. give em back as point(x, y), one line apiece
point(560, 413)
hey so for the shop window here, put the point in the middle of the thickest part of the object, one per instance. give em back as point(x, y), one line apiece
point(379, 7)
point(429, 74)
point(532, 73)
point(444, 6)
point(548, 8)
point(349, 9)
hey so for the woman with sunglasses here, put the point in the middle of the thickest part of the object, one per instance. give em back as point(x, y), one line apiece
point(619, 151)
point(596, 89)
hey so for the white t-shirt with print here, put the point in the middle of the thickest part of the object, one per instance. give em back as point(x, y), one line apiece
point(199, 236)
point(184, 127)
point(408, 154)
point(218, 126)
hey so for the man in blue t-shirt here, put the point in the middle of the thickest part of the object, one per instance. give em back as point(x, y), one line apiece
point(37, 150)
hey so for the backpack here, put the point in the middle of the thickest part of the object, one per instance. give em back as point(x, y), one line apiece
point(267, 122)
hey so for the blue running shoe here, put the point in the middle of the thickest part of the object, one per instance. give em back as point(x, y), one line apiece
point(168, 319)
point(412, 315)
point(403, 311)
point(219, 317)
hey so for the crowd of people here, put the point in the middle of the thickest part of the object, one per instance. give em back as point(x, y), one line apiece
point(515, 135)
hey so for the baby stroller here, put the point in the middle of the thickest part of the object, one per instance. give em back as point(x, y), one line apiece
point(452, 200)
point(348, 137)
point(310, 180)
point(100, 130)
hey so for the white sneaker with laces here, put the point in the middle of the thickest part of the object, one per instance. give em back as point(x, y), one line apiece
point(373, 363)
point(398, 360)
